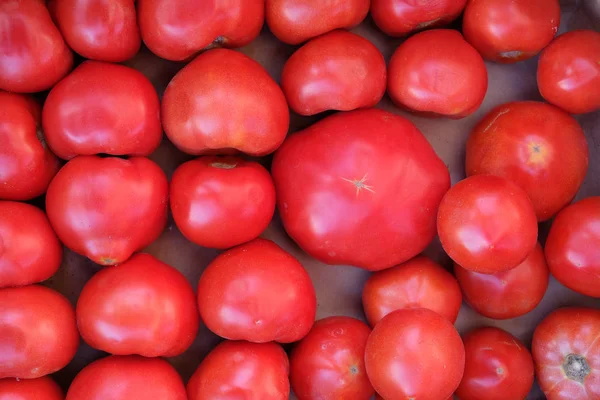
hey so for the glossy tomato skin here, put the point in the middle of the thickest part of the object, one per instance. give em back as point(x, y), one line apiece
point(507, 294)
point(338, 183)
point(221, 202)
point(43, 388)
point(535, 145)
point(495, 27)
point(127, 378)
point(108, 208)
point(487, 224)
point(38, 332)
point(498, 366)
point(415, 353)
point(257, 292)
point(84, 113)
point(224, 102)
point(329, 364)
point(178, 30)
point(568, 72)
point(242, 370)
point(418, 283)
point(296, 21)
point(437, 73)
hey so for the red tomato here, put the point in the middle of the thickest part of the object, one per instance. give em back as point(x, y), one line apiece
point(127, 378)
point(418, 283)
point(329, 363)
point(38, 333)
point(487, 224)
point(573, 247)
point(178, 30)
point(242, 370)
point(337, 188)
point(27, 165)
point(102, 108)
point(569, 72)
point(104, 30)
point(415, 353)
point(108, 208)
point(437, 73)
point(257, 292)
point(535, 145)
point(33, 54)
point(507, 294)
point(566, 353)
point(223, 102)
point(498, 366)
point(336, 71)
point(30, 389)
point(508, 31)
point(296, 21)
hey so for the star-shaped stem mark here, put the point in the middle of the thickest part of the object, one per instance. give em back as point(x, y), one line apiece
point(360, 184)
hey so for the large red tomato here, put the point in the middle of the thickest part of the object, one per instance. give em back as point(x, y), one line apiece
point(573, 247)
point(418, 283)
point(360, 188)
point(257, 292)
point(43, 388)
point(415, 353)
point(336, 71)
point(108, 208)
point(38, 332)
point(127, 378)
point(222, 202)
point(535, 145)
point(329, 363)
point(223, 102)
point(242, 370)
point(437, 73)
point(102, 108)
point(487, 224)
point(27, 165)
point(33, 54)
point(498, 366)
point(176, 30)
point(566, 353)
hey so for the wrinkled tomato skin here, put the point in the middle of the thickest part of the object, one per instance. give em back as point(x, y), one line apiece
point(566, 354)
point(108, 208)
point(242, 370)
point(84, 113)
point(337, 188)
point(257, 292)
point(43, 388)
point(38, 332)
point(498, 366)
point(418, 283)
point(221, 202)
point(328, 364)
point(224, 102)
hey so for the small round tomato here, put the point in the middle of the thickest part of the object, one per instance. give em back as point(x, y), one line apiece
point(496, 28)
point(507, 294)
point(487, 224)
point(573, 247)
point(329, 363)
point(415, 353)
point(43, 388)
point(535, 145)
point(223, 102)
point(38, 332)
point(257, 292)
point(437, 73)
point(108, 208)
point(568, 72)
point(127, 378)
point(242, 370)
point(498, 366)
point(418, 283)
point(222, 202)
point(566, 351)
